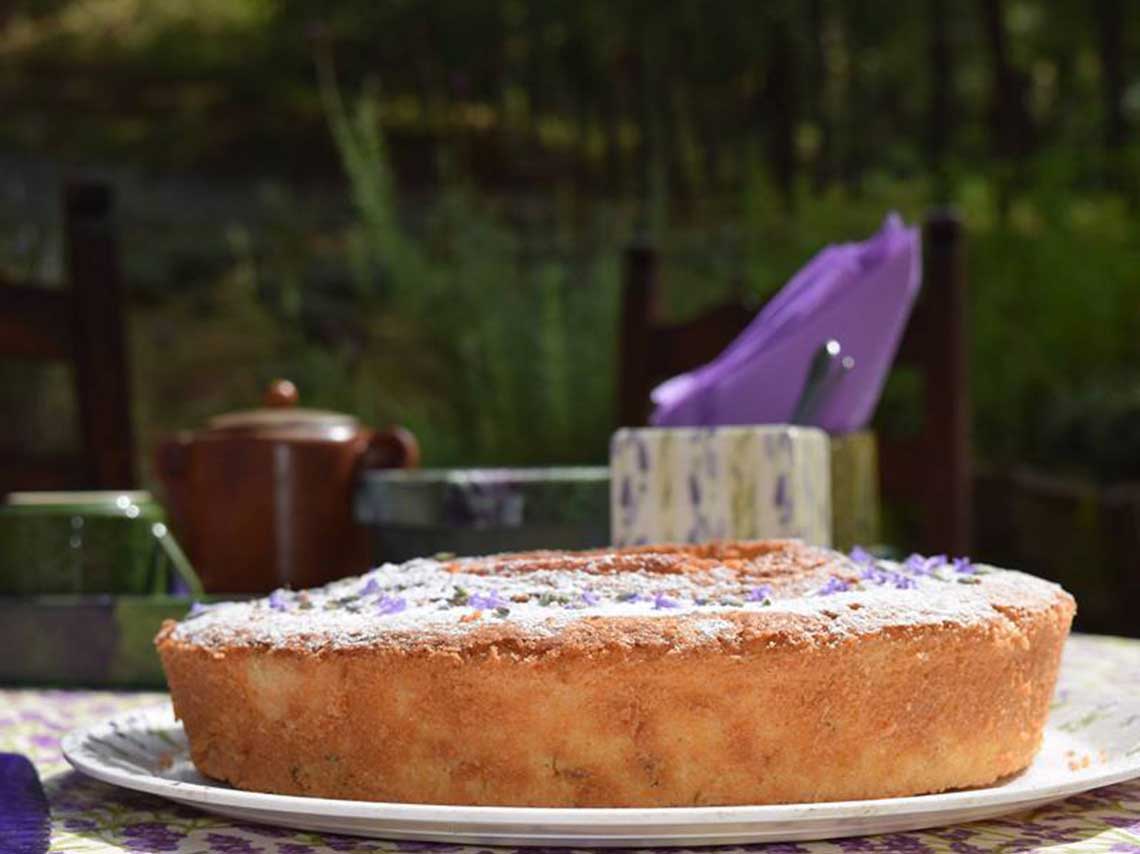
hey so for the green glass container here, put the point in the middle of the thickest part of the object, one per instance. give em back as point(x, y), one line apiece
point(88, 542)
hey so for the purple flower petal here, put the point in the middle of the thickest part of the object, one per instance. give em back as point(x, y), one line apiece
point(278, 601)
point(916, 563)
point(487, 602)
point(919, 565)
point(759, 594)
point(875, 574)
point(903, 582)
point(834, 585)
point(861, 555)
point(963, 565)
point(590, 597)
point(660, 600)
point(391, 605)
point(371, 588)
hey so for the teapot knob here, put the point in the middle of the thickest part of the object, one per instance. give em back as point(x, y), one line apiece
point(281, 393)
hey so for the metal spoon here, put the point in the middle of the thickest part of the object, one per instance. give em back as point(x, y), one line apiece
point(827, 388)
point(818, 371)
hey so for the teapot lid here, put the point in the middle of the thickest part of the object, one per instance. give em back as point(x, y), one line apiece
point(282, 418)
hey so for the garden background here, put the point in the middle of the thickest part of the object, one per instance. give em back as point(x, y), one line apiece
point(416, 210)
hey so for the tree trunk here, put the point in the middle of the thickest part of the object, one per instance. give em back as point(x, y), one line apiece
point(817, 96)
point(854, 155)
point(1110, 15)
point(1111, 21)
point(612, 113)
point(1011, 117)
point(940, 122)
point(1010, 125)
point(779, 100)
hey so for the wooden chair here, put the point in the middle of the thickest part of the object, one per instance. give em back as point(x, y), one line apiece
point(83, 325)
point(928, 471)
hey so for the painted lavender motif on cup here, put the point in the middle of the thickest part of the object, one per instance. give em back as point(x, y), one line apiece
point(699, 484)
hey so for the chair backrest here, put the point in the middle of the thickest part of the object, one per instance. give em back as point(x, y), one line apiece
point(81, 324)
point(928, 471)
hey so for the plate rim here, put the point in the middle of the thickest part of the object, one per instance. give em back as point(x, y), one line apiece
point(567, 819)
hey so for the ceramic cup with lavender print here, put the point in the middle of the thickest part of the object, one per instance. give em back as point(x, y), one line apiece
point(705, 483)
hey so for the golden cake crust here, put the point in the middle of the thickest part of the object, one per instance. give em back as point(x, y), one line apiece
point(740, 673)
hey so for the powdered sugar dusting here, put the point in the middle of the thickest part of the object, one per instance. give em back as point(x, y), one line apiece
point(695, 601)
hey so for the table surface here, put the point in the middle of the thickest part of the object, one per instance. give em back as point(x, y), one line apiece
point(89, 816)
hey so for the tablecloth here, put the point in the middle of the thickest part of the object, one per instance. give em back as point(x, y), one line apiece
point(89, 816)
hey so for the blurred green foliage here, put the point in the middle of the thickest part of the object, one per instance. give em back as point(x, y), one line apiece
point(445, 250)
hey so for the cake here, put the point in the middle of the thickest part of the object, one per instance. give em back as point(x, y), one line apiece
point(727, 673)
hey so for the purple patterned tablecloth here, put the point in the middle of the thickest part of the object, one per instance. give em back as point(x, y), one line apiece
point(89, 816)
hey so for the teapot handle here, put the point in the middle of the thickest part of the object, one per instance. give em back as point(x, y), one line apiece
point(393, 448)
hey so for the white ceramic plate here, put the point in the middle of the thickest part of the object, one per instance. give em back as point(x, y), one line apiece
point(1092, 740)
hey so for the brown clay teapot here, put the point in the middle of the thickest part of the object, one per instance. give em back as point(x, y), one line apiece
point(263, 499)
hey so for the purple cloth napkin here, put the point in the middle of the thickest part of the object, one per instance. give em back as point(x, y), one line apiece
point(858, 293)
point(25, 819)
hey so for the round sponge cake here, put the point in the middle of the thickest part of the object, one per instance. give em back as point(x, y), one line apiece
point(727, 673)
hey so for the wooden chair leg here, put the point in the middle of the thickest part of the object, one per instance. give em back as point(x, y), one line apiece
point(947, 414)
point(638, 312)
point(99, 337)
